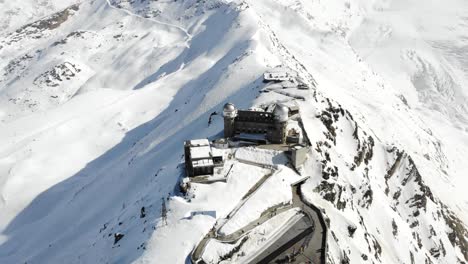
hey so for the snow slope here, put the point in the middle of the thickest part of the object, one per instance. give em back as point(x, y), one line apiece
point(97, 97)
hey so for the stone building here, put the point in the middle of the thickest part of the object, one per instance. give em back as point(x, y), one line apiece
point(270, 124)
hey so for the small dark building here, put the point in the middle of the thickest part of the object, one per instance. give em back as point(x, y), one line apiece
point(293, 136)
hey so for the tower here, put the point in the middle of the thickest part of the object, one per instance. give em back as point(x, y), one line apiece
point(229, 114)
point(281, 117)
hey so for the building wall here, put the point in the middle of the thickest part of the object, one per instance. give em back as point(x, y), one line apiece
point(255, 122)
point(278, 134)
point(188, 160)
point(299, 156)
point(255, 116)
point(229, 130)
point(203, 170)
point(252, 127)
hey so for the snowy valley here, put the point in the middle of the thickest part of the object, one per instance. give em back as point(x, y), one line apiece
point(98, 96)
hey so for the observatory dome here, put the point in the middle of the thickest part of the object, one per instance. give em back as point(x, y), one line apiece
point(281, 113)
point(229, 110)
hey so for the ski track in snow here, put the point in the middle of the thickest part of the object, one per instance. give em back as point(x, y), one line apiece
point(128, 12)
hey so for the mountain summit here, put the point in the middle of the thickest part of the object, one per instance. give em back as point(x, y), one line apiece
point(365, 103)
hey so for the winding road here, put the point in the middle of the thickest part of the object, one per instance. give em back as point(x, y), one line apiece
point(303, 242)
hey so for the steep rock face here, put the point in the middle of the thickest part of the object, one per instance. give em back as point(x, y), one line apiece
point(16, 14)
point(40, 28)
point(377, 194)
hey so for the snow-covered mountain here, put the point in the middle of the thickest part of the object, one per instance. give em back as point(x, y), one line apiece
point(97, 98)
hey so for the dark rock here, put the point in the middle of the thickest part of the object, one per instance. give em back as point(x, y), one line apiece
point(394, 228)
point(345, 258)
point(118, 237)
point(351, 230)
point(458, 234)
point(367, 198)
point(142, 212)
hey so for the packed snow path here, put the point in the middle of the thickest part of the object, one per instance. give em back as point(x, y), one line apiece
point(312, 240)
point(308, 246)
point(184, 31)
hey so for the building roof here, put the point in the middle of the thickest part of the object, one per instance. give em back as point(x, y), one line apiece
point(199, 142)
point(293, 107)
point(276, 76)
point(217, 152)
point(200, 152)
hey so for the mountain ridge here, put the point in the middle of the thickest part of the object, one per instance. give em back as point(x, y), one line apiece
point(121, 122)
